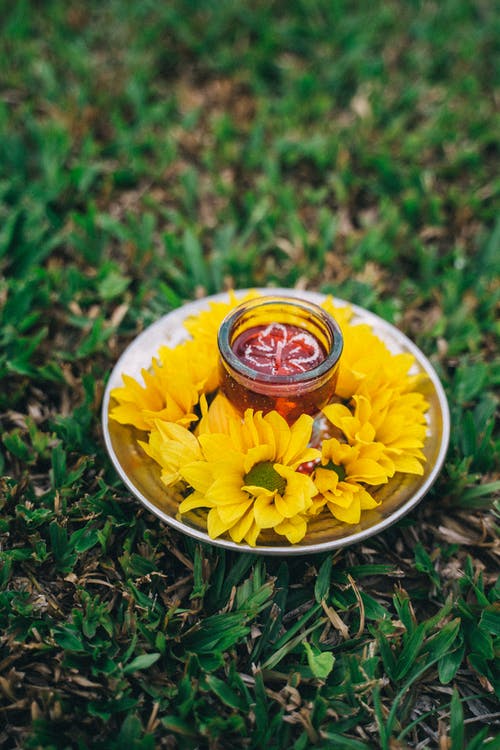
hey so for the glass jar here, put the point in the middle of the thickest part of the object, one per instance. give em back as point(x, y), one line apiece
point(279, 353)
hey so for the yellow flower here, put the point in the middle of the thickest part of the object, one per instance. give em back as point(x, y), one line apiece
point(395, 421)
point(248, 478)
point(166, 395)
point(171, 445)
point(367, 363)
point(340, 478)
point(195, 360)
point(172, 388)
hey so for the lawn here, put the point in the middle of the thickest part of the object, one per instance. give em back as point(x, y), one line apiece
point(155, 153)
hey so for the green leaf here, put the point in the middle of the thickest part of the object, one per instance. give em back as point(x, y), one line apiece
point(481, 741)
point(64, 555)
point(301, 742)
point(442, 642)
point(68, 638)
point(177, 725)
point(479, 495)
point(106, 709)
point(289, 644)
point(479, 640)
point(456, 722)
point(489, 488)
point(371, 569)
point(112, 285)
point(84, 539)
point(225, 693)
point(449, 664)
point(130, 731)
point(436, 647)
point(424, 564)
point(59, 467)
point(490, 619)
point(16, 445)
point(10, 229)
point(195, 259)
point(470, 380)
point(144, 661)
point(387, 654)
point(199, 584)
point(341, 742)
point(320, 662)
point(322, 584)
point(297, 626)
point(373, 609)
point(218, 633)
point(410, 651)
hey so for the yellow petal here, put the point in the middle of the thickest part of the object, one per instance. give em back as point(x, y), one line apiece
point(252, 535)
point(300, 434)
point(216, 446)
point(194, 500)
point(230, 514)
point(325, 480)
point(367, 501)
point(226, 488)
point(298, 493)
point(219, 416)
point(343, 495)
point(294, 530)
point(408, 465)
point(366, 470)
point(243, 527)
point(265, 512)
point(215, 525)
point(350, 515)
point(255, 490)
point(281, 432)
point(335, 413)
point(129, 414)
point(198, 474)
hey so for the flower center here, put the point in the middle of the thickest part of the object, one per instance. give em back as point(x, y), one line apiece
point(263, 474)
point(339, 470)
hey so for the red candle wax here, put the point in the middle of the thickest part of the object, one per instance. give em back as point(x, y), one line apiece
point(279, 353)
point(279, 349)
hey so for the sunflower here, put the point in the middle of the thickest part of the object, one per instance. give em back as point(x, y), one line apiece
point(341, 476)
point(194, 360)
point(164, 394)
point(367, 364)
point(393, 420)
point(171, 388)
point(248, 479)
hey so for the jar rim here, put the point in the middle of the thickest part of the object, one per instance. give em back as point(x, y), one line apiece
point(245, 371)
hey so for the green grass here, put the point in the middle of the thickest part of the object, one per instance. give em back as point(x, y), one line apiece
point(155, 152)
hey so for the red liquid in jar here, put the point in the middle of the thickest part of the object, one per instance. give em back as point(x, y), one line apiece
point(279, 349)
